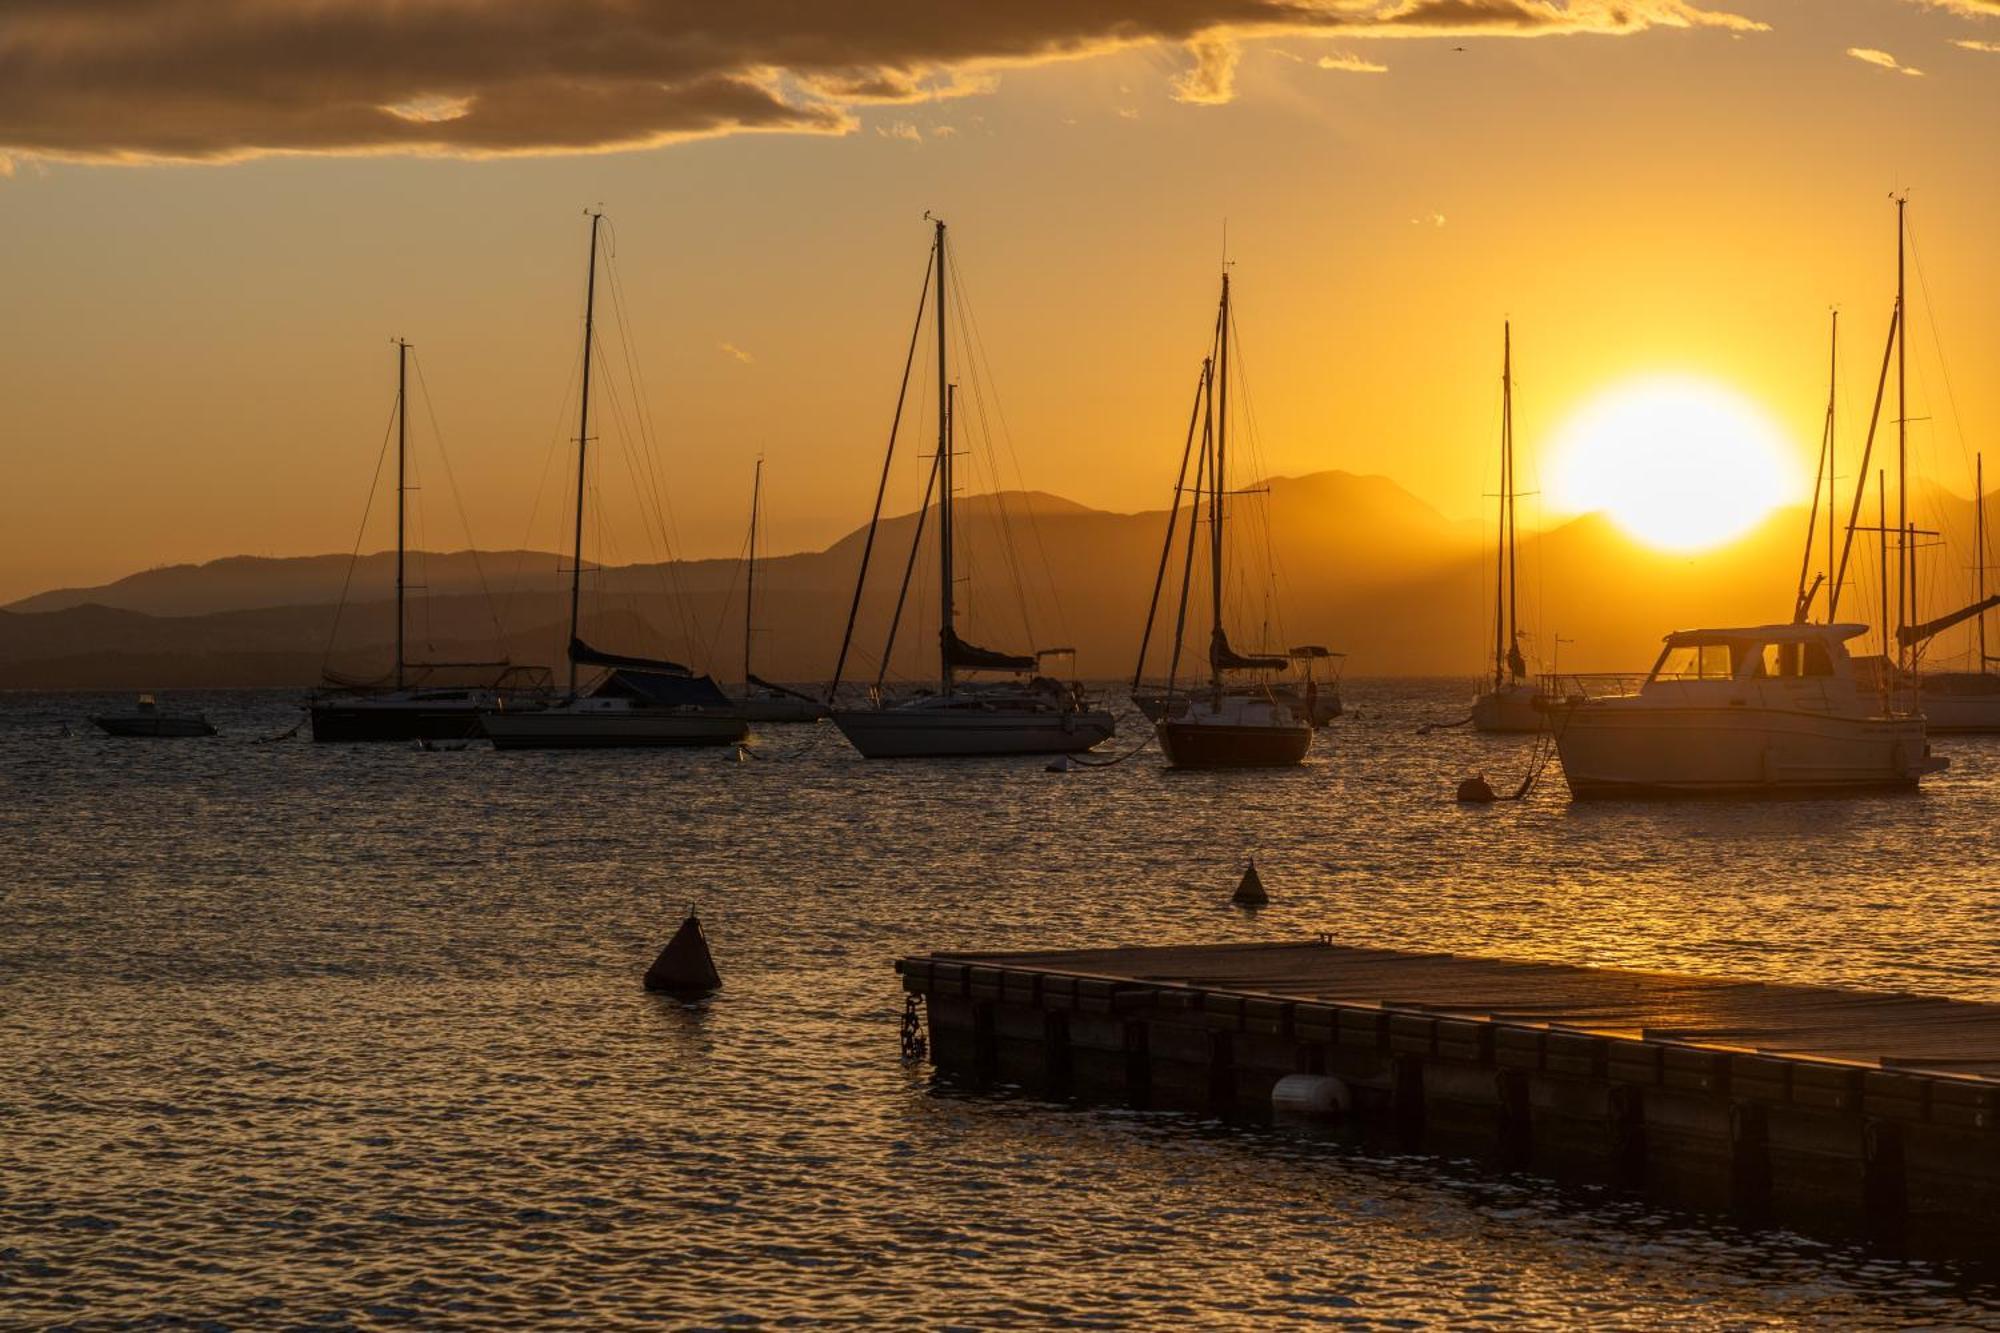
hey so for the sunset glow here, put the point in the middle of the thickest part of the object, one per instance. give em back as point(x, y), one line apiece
point(1679, 463)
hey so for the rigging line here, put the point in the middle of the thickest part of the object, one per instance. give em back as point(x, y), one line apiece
point(909, 569)
point(632, 451)
point(1167, 545)
point(977, 346)
point(458, 499)
point(521, 556)
point(882, 487)
point(1194, 518)
point(648, 451)
point(1253, 441)
point(360, 535)
point(1867, 452)
point(1002, 519)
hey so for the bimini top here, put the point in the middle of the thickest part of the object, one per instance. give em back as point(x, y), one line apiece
point(1786, 633)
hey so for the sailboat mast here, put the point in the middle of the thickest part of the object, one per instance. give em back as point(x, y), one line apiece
point(582, 447)
point(947, 617)
point(402, 486)
point(1504, 625)
point(1882, 531)
point(1832, 430)
point(750, 575)
point(1905, 577)
point(1979, 547)
point(1216, 480)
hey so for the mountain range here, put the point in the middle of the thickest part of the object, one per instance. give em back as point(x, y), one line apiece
point(1361, 566)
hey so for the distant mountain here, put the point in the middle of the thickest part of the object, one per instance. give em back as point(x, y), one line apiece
point(1361, 566)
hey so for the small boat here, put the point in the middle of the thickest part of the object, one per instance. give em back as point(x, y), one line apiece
point(1767, 710)
point(1511, 703)
point(405, 706)
point(640, 701)
point(1032, 714)
point(147, 720)
point(761, 700)
point(1222, 727)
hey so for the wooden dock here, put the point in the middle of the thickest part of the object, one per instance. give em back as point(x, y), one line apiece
point(1832, 1111)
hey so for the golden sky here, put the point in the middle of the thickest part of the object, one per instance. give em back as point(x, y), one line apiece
point(213, 219)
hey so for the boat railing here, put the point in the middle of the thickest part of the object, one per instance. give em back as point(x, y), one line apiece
point(1587, 686)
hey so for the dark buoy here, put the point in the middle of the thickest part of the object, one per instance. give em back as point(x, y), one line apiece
point(1250, 892)
point(1475, 791)
point(684, 967)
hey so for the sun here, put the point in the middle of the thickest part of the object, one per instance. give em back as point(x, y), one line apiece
point(1680, 463)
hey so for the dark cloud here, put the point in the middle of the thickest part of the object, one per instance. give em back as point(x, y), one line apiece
point(219, 79)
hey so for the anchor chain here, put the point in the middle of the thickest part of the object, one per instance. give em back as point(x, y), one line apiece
point(915, 1044)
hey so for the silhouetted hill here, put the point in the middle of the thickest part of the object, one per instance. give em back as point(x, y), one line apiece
point(1361, 565)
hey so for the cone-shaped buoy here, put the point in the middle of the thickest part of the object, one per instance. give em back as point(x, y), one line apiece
point(1476, 791)
point(684, 967)
point(1250, 892)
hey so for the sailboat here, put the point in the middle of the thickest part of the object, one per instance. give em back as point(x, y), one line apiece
point(761, 700)
point(1221, 727)
point(639, 701)
point(412, 709)
point(1968, 702)
point(1511, 702)
point(1036, 715)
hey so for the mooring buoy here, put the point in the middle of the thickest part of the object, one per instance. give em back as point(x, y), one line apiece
point(685, 967)
point(1250, 890)
point(1476, 791)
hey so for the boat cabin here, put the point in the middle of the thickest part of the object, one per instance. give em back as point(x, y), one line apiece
point(1794, 653)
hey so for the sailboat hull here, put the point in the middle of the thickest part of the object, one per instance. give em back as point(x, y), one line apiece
point(566, 729)
point(1960, 702)
point(779, 709)
point(939, 733)
point(1611, 752)
point(1510, 709)
point(398, 718)
point(1322, 707)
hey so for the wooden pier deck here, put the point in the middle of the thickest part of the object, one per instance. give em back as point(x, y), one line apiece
point(1835, 1111)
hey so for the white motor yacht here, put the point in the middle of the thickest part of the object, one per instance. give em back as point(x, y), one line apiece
point(1764, 710)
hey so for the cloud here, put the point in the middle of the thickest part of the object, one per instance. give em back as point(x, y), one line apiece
point(1351, 63)
point(1969, 8)
point(733, 351)
point(220, 80)
point(900, 129)
point(1882, 58)
point(1974, 44)
point(1211, 80)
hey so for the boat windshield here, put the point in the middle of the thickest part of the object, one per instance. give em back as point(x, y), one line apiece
point(1784, 660)
point(1697, 661)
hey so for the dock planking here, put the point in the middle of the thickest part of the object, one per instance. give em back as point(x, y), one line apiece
point(1831, 1110)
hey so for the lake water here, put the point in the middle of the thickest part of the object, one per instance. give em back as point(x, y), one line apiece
point(296, 1034)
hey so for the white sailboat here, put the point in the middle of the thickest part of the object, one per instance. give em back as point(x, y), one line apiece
point(639, 701)
point(1030, 714)
point(762, 701)
point(1221, 727)
point(1511, 703)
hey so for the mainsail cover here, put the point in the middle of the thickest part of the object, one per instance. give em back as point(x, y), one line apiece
point(969, 657)
point(1517, 666)
point(583, 654)
point(1224, 658)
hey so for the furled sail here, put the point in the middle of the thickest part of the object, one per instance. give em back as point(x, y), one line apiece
point(583, 654)
point(1930, 629)
point(1517, 666)
point(1224, 658)
point(970, 657)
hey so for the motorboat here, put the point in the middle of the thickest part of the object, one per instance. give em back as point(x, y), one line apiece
point(146, 720)
point(1759, 711)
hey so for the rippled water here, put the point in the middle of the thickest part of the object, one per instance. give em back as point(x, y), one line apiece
point(305, 1034)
